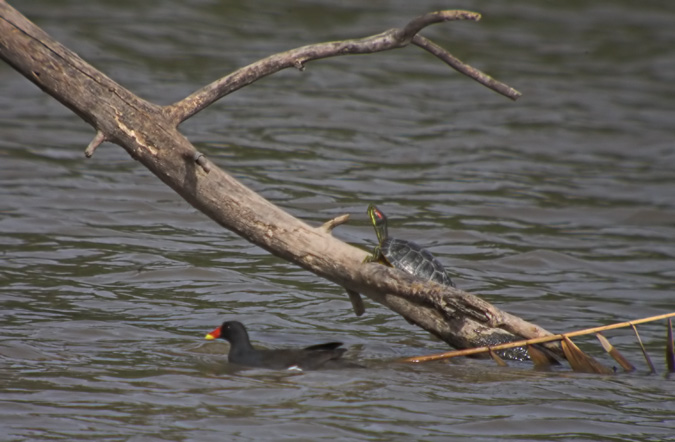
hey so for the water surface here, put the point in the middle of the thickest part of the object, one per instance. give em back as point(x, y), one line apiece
point(559, 208)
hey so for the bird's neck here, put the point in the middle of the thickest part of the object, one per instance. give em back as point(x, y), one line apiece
point(240, 345)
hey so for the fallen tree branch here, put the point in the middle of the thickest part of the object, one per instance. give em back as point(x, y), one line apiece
point(149, 134)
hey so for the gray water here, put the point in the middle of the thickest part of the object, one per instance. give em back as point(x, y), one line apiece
point(559, 208)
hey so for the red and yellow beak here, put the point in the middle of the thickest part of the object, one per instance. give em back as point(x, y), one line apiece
point(213, 335)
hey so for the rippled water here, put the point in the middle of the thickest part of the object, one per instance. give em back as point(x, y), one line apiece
point(559, 208)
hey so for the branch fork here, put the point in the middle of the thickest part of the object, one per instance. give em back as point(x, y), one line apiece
point(297, 58)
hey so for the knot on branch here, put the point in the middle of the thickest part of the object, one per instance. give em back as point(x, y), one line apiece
point(201, 160)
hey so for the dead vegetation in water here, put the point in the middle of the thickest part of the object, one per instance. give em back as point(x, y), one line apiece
point(578, 359)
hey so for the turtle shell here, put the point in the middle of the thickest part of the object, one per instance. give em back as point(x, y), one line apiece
point(414, 259)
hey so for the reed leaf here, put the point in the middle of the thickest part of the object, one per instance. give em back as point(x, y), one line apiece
point(613, 352)
point(580, 361)
point(540, 359)
point(652, 369)
point(495, 357)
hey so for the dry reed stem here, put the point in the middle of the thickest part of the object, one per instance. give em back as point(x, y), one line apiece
point(526, 342)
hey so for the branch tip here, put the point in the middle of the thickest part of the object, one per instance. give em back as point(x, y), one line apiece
point(464, 68)
point(98, 139)
point(357, 302)
point(328, 226)
point(418, 23)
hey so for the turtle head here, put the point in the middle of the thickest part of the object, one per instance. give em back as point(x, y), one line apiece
point(379, 221)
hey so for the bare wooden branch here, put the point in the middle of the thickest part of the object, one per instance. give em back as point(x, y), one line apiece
point(297, 58)
point(149, 134)
point(421, 22)
point(465, 69)
point(357, 302)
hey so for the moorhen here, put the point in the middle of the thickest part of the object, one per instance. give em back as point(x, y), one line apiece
point(320, 356)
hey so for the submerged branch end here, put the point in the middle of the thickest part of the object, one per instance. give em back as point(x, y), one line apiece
point(357, 302)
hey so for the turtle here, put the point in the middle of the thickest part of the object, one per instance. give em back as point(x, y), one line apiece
point(405, 255)
point(418, 261)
